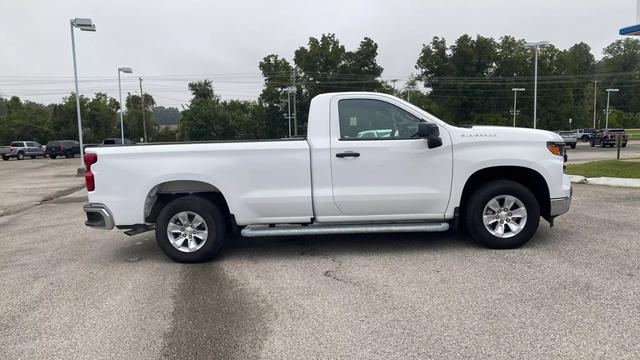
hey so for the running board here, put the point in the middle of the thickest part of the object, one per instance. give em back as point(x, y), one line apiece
point(287, 230)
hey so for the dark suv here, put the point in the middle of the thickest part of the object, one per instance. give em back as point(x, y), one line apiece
point(607, 137)
point(66, 148)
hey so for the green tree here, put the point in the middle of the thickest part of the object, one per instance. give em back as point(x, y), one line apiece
point(324, 65)
point(134, 125)
point(64, 120)
point(100, 120)
point(205, 119)
point(25, 121)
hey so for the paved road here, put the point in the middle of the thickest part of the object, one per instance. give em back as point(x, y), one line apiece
point(584, 152)
point(572, 292)
point(24, 183)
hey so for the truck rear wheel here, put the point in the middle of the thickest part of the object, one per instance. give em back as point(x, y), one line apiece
point(190, 229)
point(502, 215)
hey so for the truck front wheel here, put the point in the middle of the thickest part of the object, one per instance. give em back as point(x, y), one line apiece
point(502, 215)
point(190, 229)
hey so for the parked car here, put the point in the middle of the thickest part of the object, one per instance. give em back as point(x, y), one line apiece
point(66, 148)
point(427, 176)
point(20, 149)
point(117, 141)
point(569, 138)
point(607, 137)
point(585, 134)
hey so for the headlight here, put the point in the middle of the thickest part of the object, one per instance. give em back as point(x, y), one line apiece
point(556, 148)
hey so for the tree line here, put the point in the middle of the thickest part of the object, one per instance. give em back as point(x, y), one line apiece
point(469, 81)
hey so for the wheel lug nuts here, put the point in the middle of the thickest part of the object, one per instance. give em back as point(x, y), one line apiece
point(501, 221)
point(509, 214)
point(508, 220)
point(505, 209)
point(497, 217)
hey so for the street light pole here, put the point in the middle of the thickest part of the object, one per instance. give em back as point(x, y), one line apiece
point(606, 124)
point(595, 98)
point(515, 101)
point(125, 70)
point(144, 124)
point(289, 110)
point(83, 25)
point(535, 47)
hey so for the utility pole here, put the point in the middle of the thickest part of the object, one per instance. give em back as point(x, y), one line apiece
point(515, 102)
point(394, 86)
point(609, 91)
point(595, 91)
point(144, 124)
point(295, 112)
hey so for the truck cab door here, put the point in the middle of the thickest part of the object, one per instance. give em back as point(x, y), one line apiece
point(380, 170)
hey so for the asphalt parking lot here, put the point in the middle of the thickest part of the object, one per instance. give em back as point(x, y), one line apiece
point(71, 292)
point(585, 153)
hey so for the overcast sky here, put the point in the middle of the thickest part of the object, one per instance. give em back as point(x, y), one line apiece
point(169, 43)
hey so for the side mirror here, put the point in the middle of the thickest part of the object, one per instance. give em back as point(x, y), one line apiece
point(431, 132)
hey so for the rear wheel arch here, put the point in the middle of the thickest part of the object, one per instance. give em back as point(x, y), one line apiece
point(162, 194)
point(531, 179)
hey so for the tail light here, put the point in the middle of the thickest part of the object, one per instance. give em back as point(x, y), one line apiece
point(61, 148)
point(90, 159)
point(11, 149)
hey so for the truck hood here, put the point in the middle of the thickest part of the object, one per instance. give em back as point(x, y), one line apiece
point(498, 133)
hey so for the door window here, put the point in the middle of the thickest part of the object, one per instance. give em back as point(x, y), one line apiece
point(366, 119)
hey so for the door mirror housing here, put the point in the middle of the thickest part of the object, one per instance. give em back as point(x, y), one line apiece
point(431, 132)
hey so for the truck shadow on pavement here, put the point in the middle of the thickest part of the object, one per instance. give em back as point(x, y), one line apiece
point(144, 246)
point(356, 244)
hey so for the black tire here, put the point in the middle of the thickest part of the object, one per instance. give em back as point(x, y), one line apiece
point(68, 154)
point(592, 143)
point(573, 146)
point(5, 158)
point(52, 156)
point(20, 156)
point(33, 156)
point(474, 212)
point(624, 145)
point(585, 138)
point(213, 218)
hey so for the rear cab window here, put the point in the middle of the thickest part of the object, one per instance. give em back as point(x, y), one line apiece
point(17, 144)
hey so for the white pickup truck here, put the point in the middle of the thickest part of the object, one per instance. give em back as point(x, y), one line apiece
point(370, 163)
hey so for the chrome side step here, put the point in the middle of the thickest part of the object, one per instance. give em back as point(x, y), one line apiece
point(287, 230)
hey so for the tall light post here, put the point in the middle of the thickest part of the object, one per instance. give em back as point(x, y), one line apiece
point(125, 70)
point(595, 99)
point(535, 46)
point(84, 25)
point(609, 91)
point(144, 124)
point(515, 102)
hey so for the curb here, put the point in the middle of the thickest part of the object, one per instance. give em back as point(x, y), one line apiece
point(605, 181)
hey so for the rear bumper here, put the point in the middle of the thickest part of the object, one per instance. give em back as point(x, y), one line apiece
point(98, 216)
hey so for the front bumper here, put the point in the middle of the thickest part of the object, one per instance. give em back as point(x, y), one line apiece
point(561, 205)
point(98, 216)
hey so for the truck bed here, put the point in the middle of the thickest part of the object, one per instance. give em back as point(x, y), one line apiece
point(270, 180)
